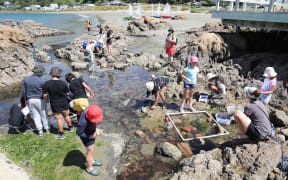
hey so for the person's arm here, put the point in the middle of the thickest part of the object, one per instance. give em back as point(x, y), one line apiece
point(272, 89)
point(82, 123)
point(183, 75)
point(87, 88)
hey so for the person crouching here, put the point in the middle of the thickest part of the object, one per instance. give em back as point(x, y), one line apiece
point(216, 87)
point(157, 86)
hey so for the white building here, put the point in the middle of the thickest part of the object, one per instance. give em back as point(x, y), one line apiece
point(54, 6)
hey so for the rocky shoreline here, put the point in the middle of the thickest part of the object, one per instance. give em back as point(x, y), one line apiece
point(236, 56)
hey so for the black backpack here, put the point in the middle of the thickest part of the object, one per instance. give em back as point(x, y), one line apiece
point(16, 117)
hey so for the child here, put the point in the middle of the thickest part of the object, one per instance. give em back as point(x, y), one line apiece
point(78, 88)
point(100, 42)
point(214, 84)
point(190, 80)
point(87, 131)
point(157, 87)
point(109, 40)
point(269, 85)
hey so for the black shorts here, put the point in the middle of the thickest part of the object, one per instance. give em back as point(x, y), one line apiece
point(59, 107)
point(252, 132)
point(87, 141)
point(109, 41)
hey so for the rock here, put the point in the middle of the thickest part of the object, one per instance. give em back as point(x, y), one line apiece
point(170, 150)
point(279, 118)
point(140, 134)
point(285, 132)
point(144, 109)
point(147, 150)
point(79, 65)
point(126, 102)
point(42, 56)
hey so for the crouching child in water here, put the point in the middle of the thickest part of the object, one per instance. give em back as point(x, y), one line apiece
point(157, 86)
point(88, 130)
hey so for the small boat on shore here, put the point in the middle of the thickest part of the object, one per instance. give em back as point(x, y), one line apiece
point(156, 17)
point(166, 17)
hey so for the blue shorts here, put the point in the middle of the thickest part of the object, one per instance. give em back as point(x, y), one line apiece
point(87, 141)
point(189, 86)
point(265, 98)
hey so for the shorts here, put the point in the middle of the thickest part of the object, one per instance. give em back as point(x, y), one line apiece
point(170, 51)
point(109, 41)
point(252, 132)
point(189, 86)
point(87, 141)
point(59, 107)
point(80, 104)
point(265, 98)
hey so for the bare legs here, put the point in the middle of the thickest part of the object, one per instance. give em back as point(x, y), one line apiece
point(162, 97)
point(242, 121)
point(189, 94)
point(59, 116)
point(90, 157)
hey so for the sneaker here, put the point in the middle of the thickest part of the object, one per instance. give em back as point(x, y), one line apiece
point(40, 133)
point(181, 110)
point(192, 109)
point(58, 136)
point(71, 129)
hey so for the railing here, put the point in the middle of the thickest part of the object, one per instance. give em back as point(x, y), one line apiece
point(267, 5)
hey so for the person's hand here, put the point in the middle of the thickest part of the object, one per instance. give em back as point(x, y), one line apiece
point(93, 136)
point(92, 95)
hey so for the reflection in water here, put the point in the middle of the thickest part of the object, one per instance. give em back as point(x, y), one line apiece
point(111, 78)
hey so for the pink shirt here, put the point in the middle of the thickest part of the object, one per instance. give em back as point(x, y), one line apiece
point(268, 83)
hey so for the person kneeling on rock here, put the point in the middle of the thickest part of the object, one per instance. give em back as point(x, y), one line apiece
point(217, 88)
point(157, 86)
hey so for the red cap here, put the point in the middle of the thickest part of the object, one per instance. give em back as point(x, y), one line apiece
point(94, 114)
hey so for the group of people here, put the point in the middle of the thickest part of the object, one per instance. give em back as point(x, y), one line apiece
point(254, 122)
point(96, 47)
point(37, 93)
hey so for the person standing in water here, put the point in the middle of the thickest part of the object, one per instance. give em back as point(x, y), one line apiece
point(88, 25)
point(109, 40)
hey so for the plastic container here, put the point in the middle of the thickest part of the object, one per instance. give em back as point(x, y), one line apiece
point(223, 119)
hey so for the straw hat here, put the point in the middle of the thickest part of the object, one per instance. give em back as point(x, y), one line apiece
point(249, 91)
point(269, 72)
point(210, 76)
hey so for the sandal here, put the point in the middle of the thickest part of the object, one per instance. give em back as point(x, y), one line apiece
point(97, 163)
point(93, 172)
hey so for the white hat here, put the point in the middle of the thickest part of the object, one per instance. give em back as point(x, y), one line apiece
point(150, 86)
point(269, 72)
point(249, 91)
point(210, 76)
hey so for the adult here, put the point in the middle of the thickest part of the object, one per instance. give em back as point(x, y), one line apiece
point(254, 121)
point(215, 85)
point(88, 130)
point(170, 44)
point(100, 42)
point(78, 88)
point(157, 86)
point(269, 85)
point(189, 75)
point(56, 91)
point(33, 92)
point(109, 40)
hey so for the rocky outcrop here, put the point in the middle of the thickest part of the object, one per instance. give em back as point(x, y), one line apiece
point(247, 161)
point(34, 29)
point(145, 24)
point(16, 59)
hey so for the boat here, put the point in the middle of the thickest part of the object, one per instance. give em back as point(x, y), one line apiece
point(166, 17)
point(129, 18)
point(156, 16)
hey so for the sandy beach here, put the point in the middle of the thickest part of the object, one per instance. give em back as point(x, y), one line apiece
point(10, 170)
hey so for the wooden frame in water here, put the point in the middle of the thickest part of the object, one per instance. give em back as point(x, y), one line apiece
point(196, 125)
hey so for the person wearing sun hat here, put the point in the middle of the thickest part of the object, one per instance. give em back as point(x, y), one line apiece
point(32, 91)
point(157, 86)
point(87, 130)
point(170, 44)
point(215, 85)
point(189, 75)
point(254, 122)
point(56, 91)
point(269, 85)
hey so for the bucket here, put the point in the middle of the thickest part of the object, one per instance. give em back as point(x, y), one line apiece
point(223, 119)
